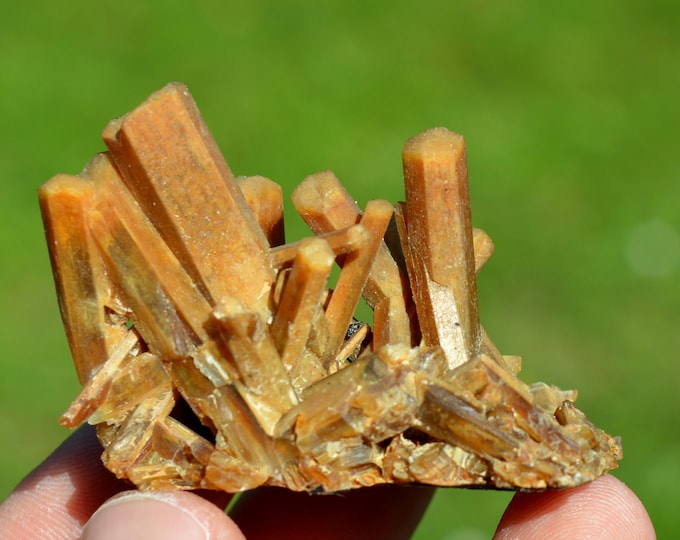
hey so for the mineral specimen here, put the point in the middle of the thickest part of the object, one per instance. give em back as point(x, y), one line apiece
point(215, 355)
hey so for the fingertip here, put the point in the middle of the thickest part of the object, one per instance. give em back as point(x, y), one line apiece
point(62, 492)
point(605, 508)
point(160, 515)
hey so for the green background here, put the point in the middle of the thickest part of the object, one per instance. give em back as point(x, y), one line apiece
point(570, 112)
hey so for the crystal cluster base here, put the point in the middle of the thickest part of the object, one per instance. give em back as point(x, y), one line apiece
point(215, 355)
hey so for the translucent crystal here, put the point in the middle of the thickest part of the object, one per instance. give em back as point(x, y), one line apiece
point(215, 355)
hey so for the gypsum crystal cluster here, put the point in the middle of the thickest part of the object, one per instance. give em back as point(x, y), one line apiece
point(214, 355)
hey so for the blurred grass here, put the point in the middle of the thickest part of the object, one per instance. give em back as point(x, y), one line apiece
point(571, 120)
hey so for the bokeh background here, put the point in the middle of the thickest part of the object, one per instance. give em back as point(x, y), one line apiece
point(570, 112)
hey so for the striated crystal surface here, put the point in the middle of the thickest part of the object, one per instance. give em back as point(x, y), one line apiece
point(214, 354)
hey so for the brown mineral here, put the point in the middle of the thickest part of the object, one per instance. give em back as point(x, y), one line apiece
point(215, 355)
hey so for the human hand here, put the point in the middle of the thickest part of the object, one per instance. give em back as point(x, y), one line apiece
point(71, 495)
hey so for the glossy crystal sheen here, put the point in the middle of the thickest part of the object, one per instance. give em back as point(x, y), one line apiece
point(214, 354)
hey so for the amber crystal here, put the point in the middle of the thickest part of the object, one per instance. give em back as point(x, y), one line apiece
point(215, 355)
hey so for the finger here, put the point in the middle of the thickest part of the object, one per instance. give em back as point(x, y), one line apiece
point(375, 513)
point(62, 493)
point(160, 515)
point(604, 508)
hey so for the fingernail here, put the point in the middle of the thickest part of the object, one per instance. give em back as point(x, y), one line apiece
point(148, 515)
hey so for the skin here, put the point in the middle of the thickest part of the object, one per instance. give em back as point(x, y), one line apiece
point(70, 495)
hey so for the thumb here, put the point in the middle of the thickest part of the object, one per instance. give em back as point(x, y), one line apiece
point(160, 515)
